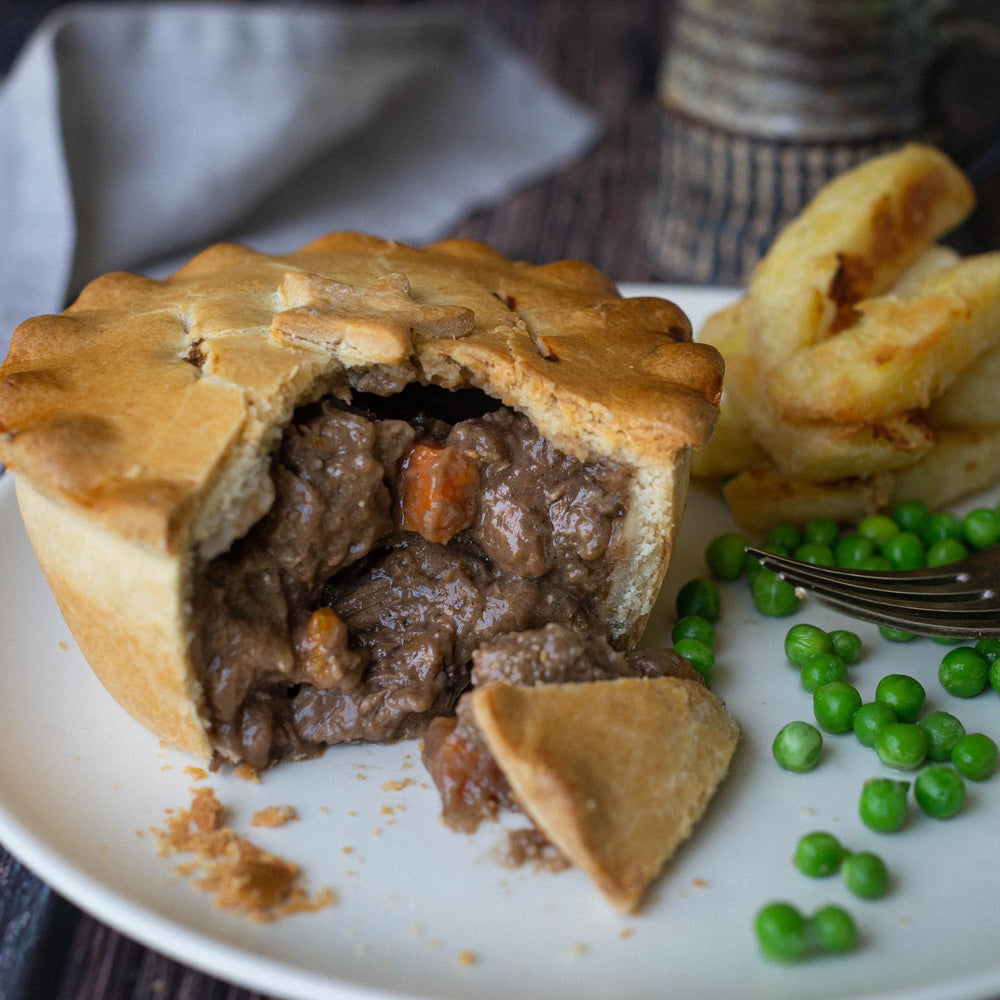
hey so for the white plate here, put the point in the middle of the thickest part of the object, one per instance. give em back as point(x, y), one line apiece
point(80, 782)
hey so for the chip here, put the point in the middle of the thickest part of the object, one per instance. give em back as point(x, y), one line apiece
point(862, 364)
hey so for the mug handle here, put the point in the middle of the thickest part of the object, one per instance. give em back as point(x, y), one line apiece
point(960, 31)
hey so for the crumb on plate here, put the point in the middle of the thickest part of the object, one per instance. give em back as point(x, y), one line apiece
point(242, 876)
point(274, 816)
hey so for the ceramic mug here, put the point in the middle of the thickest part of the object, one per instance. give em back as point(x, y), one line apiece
point(765, 100)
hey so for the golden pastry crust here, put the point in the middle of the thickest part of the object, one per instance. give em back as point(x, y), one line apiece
point(615, 773)
point(139, 422)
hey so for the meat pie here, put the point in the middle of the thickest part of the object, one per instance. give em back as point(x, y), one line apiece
point(282, 500)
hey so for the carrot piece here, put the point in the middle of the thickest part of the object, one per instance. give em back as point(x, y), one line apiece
point(439, 491)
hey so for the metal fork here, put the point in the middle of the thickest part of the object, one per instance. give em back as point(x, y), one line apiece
point(960, 600)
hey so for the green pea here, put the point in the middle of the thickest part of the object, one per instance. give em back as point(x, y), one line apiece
point(905, 551)
point(989, 649)
point(895, 634)
point(816, 554)
point(699, 597)
point(820, 669)
point(975, 756)
point(913, 516)
point(818, 854)
point(725, 556)
point(903, 694)
point(945, 551)
point(699, 655)
point(995, 676)
point(782, 932)
point(882, 806)
point(773, 597)
point(803, 641)
point(751, 567)
point(943, 730)
point(847, 645)
point(834, 705)
point(852, 550)
point(901, 745)
point(693, 627)
point(939, 791)
point(942, 524)
point(788, 536)
point(963, 672)
point(877, 528)
point(820, 531)
point(876, 564)
point(833, 929)
point(865, 874)
point(981, 527)
point(869, 719)
point(797, 746)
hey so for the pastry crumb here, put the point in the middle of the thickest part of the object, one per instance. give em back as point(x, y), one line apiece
point(529, 846)
point(242, 876)
point(397, 786)
point(274, 816)
point(195, 773)
point(466, 959)
point(247, 773)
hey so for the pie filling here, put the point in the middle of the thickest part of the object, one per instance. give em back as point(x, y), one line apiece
point(407, 532)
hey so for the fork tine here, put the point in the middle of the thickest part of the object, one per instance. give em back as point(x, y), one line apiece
point(943, 584)
point(958, 628)
point(942, 602)
point(926, 606)
point(916, 578)
point(938, 574)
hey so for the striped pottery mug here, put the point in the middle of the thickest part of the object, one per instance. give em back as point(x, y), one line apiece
point(763, 101)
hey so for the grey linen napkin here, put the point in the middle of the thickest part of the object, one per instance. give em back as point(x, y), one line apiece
point(133, 134)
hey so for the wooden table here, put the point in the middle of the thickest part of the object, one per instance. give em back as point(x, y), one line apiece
point(606, 54)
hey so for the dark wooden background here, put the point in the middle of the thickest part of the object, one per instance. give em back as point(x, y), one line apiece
point(605, 53)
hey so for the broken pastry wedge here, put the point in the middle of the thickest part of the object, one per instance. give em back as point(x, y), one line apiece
point(615, 773)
